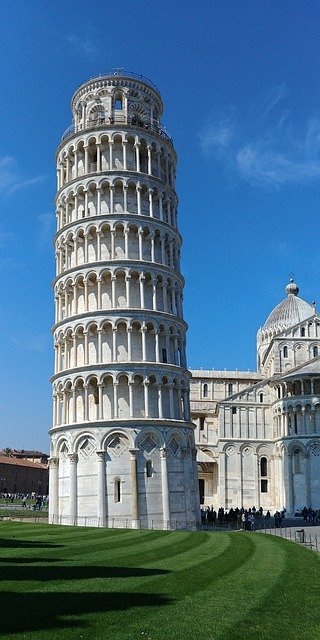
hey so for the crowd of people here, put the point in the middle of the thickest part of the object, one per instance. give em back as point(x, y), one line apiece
point(27, 500)
point(311, 516)
point(239, 518)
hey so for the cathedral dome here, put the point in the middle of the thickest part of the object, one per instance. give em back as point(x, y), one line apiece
point(290, 311)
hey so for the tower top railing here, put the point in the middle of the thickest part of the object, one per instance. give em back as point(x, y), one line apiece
point(112, 121)
point(120, 72)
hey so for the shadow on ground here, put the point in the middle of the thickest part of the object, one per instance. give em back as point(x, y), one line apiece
point(13, 543)
point(73, 572)
point(27, 612)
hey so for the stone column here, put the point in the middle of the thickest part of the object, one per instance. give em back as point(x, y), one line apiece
point(141, 282)
point(86, 159)
point(73, 459)
point(161, 206)
point(143, 341)
point(137, 145)
point(152, 247)
point(101, 489)
point(149, 160)
point(53, 490)
point(98, 147)
point(86, 403)
point(124, 154)
point(140, 234)
point(134, 488)
point(256, 481)
point(111, 190)
point(222, 475)
point(114, 344)
point(160, 412)
point(165, 488)
point(150, 192)
point(129, 332)
point(138, 189)
point(125, 198)
point(130, 385)
point(126, 243)
point(74, 404)
point(99, 300)
point(115, 400)
point(146, 398)
point(100, 403)
point(98, 201)
point(110, 155)
point(127, 280)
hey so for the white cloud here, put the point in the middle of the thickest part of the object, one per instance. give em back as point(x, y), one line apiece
point(267, 150)
point(45, 228)
point(85, 43)
point(10, 179)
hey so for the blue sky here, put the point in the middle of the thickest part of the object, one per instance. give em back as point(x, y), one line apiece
point(242, 101)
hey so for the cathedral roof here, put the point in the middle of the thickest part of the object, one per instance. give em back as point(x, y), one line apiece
point(311, 368)
point(290, 311)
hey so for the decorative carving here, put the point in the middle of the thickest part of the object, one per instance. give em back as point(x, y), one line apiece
point(73, 458)
point(53, 463)
point(86, 449)
point(174, 446)
point(63, 453)
point(230, 451)
point(149, 443)
point(315, 450)
point(117, 446)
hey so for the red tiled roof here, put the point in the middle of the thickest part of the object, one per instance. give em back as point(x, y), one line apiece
point(21, 462)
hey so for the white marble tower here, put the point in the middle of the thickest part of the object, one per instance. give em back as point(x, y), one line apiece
point(122, 441)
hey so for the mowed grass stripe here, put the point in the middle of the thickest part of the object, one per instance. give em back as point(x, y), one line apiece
point(216, 586)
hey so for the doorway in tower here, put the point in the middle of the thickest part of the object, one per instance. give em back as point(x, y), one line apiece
point(201, 491)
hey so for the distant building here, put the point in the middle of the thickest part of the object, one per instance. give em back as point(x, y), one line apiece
point(25, 454)
point(258, 434)
point(22, 476)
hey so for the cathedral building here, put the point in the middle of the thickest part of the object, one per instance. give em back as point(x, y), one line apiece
point(122, 441)
point(258, 434)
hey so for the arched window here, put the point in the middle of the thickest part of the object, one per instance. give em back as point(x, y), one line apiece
point(315, 352)
point(302, 332)
point(263, 467)
point(285, 352)
point(117, 490)
point(263, 475)
point(230, 389)
point(205, 390)
point(261, 397)
point(149, 468)
point(118, 102)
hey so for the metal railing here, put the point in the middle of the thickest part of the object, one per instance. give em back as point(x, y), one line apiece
point(124, 522)
point(130, 121)
point(119, 72)
point(301, 536)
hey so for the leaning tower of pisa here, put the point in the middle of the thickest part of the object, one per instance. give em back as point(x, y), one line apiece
point(122, 441)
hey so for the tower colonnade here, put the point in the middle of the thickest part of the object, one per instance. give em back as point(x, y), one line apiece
point(118, 288)
point(116, 240)
point(119, 194)
point(116, 151)
point(119, 335)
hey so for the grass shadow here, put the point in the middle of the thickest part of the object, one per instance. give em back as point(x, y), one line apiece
point(73, 572)
point(27, 612)
point(13, 543)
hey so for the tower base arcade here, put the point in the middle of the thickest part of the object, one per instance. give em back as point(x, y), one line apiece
point(115, 476)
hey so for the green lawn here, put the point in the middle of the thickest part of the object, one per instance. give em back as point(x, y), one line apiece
point(72, 583)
